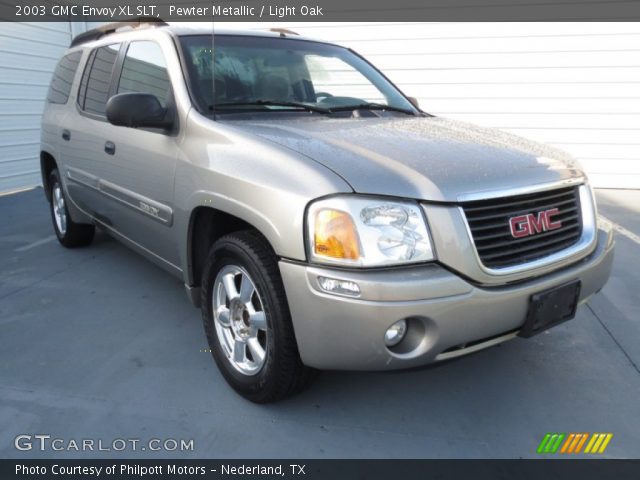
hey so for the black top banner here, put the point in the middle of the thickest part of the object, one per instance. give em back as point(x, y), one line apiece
point(321, 10)
point(319, 469)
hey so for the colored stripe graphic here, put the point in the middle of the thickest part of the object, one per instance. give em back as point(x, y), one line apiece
point(576, 439)
point(598, 443)
point(570, 438)
point(605, 443)
point(581, 443)
point(547, 448)
point(556, 445)
point(551, 442)
point(543, 443)
point(591, 442)
point(573, 442)
point(579, 440)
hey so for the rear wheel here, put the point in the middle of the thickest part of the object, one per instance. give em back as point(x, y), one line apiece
point(247, 321)
point(69, 233)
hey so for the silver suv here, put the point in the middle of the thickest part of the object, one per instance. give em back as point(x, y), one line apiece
point(317, 216)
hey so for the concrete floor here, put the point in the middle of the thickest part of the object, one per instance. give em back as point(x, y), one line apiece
point(98, 343)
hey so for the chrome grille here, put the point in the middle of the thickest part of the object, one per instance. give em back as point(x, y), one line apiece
point(489, 224)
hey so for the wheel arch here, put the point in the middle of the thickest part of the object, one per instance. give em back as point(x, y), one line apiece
point(47, 165)
point(206, 226)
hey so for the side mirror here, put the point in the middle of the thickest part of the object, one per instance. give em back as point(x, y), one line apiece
point(414, 102)
point(137, 110)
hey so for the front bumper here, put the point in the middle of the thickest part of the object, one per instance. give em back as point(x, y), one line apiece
point(448, 316)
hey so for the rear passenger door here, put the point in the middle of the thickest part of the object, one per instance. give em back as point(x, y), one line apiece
point(83, 135)
point(138, 165)
point(56, 117)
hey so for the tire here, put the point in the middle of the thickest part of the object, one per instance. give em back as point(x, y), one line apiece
point(253, 320)
point(70, 234)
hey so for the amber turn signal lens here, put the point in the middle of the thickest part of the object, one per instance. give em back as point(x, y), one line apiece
point(335, 235)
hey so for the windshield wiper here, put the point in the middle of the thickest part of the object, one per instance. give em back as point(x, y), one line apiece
point(371, 106)
point(273, 103)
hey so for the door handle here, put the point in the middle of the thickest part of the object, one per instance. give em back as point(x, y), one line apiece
point(110, 148)
point(66, 135)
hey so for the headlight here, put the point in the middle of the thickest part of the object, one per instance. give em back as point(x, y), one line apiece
point(367, 232)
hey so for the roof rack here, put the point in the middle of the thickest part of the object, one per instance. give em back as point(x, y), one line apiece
point(109, 28)
point(283, 31)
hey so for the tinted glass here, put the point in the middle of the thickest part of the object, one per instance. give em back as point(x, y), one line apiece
point(333, 77)
point(94, 86)
point(145, 71)
point(62, 80)
point(243, 69)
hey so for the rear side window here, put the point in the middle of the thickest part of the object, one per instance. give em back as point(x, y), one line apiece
point(62, 80)
point(96, 79)
point(145, 71)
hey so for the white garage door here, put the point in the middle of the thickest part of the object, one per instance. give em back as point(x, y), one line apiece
point(573, 85)
point(28, 55)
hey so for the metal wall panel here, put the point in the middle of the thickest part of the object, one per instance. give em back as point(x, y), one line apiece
point(29, 53)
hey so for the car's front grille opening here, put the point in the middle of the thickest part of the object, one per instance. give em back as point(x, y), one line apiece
point(493, 223)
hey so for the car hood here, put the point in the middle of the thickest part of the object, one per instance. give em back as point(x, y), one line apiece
point(428, 158)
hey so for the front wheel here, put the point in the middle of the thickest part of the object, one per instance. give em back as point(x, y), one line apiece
point(247, 321)
point(69, 233)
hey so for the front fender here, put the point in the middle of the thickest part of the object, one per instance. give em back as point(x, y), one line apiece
point(261, 183)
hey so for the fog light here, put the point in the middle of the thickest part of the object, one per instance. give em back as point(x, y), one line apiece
point(396, 332)
point(340, 287)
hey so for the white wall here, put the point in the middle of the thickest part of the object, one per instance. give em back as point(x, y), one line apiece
point(28, 55)
point(573, 85)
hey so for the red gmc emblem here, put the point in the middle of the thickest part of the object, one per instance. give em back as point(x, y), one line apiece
point(530, 224)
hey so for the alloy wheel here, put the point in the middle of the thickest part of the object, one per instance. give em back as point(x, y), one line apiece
point(59, 210)
point(240, 320)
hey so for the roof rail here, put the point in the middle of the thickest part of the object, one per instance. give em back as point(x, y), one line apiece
point(109, 28)
point(283, 31)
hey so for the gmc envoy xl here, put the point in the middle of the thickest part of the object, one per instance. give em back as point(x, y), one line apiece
point(316, 215)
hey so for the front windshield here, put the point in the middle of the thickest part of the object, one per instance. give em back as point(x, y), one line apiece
point(247, 73)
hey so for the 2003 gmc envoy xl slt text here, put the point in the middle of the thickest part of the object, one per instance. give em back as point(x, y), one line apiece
point(317, 216)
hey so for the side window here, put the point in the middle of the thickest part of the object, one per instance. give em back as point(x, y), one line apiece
point(62, 80)
point(145, 71)
point(94, 86)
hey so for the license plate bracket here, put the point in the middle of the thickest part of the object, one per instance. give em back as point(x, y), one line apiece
point(550, 308)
